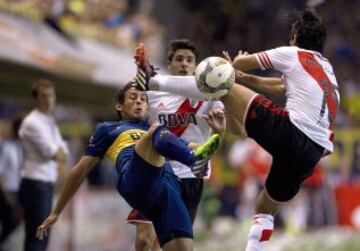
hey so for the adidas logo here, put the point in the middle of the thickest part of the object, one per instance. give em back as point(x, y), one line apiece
point(161, 105)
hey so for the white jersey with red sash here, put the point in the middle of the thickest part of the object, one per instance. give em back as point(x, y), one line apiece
point(184, 118)
point(311, 90)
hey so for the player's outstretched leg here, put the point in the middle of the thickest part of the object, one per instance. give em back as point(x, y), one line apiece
point(175, 233)
point(172, 147)
point(159, 143)
point(144, 69)
point(204, 153)
point(237, 102)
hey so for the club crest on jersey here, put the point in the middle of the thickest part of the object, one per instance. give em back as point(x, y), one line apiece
point(91, 142)
point(174, 119)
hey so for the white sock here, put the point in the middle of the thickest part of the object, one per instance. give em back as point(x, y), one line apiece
point(181, 85)
point(260, 232)
point(133, 247)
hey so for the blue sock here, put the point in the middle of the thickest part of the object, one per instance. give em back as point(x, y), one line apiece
point(172, 147)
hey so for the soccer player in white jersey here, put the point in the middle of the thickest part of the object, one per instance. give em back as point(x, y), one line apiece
point(183, 117)
point(298, 135)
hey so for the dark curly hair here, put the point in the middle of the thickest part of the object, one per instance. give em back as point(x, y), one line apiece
point(309, 30)
point(181, 44)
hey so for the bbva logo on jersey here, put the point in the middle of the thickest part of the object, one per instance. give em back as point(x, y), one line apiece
point(177, 119)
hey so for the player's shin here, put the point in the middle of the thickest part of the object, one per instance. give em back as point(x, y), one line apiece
point(260, 232)
point(172, 147)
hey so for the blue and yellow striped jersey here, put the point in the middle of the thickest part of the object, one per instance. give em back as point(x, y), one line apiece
point(116, 140)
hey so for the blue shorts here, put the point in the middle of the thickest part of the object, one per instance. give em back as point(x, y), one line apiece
point(155, 192)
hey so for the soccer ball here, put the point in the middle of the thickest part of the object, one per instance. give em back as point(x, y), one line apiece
point(214, 76)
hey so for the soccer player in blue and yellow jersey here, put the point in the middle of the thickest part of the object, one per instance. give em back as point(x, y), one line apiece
point(146, 180)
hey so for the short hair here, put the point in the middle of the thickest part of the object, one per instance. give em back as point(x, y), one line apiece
point(119, 96)
point(40, 83)
point(181, 44)
point(309, 30)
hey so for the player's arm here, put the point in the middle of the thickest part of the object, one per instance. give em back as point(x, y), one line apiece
point(217, 121)
point(71, 185)
point(268, 85)
point(74, 180)
point(244, 62)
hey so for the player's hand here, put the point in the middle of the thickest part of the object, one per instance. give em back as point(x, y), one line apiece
point(240, 55)
point(240, 76)
point(217, 120)
point(227, 56)
point(42, 230)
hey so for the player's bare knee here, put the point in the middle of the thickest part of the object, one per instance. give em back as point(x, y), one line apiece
point(146, 139)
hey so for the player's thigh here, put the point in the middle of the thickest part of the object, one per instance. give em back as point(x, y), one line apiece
point(291, 167)
point(146, 150)
point(269, 125)
point(169, 215)
point(141, 183)
point(236, 102)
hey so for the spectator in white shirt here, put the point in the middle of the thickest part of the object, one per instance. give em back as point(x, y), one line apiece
point(10, 164)
point(44, 152)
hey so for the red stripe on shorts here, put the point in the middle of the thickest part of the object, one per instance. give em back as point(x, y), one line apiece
point(271, 106)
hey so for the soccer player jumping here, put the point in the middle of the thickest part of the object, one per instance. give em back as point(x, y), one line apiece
point(146, 180)
point(296, 136)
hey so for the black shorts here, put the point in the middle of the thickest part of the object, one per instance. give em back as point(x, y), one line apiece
point(294, 154)
point(191, 192)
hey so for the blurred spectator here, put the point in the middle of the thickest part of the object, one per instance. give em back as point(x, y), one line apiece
point(216, 25)
point(44, 152)
point(314, 207)
point(10, 164)
point(116, 22)
point(254, 163)
point(322, 209)
point(53, 12)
